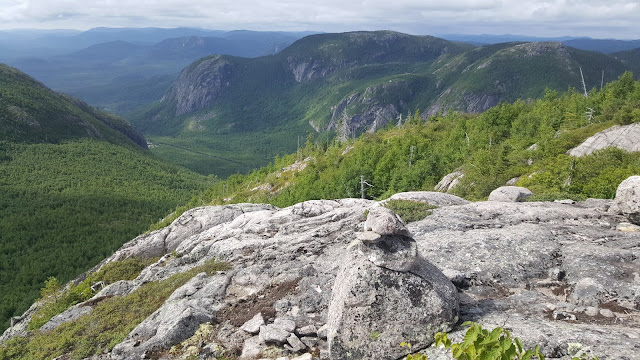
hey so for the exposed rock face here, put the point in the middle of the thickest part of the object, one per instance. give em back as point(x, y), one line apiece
point(623, 137)
point(628, 199)
point(430, 197)
point(510, 194)
point(536, 268)
point(200, 84)
point(449, 182)
point(369, 110)
point(316, 278)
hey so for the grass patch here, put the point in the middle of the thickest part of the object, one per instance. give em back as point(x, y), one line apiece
point(106, 326)
point(55, 302)
point(410, 211)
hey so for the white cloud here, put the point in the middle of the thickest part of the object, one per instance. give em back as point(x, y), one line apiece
point(542, 17)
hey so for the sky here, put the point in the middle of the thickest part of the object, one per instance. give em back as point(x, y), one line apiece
point(598, 19)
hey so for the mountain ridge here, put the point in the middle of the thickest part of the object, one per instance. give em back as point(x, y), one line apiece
point(349, 83)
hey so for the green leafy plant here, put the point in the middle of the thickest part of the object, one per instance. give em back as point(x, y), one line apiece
point(482, 344)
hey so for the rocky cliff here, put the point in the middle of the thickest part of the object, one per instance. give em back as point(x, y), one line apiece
point(200, 84)
point(346, 279)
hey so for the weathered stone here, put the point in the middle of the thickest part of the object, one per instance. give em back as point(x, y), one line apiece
point(323, 331)
point(295, 343)
point(510, 194)
point(310, 341)
point(449, 182)
point(622, 137)
point(252, 348)
point(431, 197)
point(512, 181)
point(273, 334)
point(70, 314)
point(628, 198)
point(364, 290)
point(285, 324)
point(309, 330)
point(253, 326)
point(383, 221)
point(591, 311)
point(607, 313)
point(628, 227)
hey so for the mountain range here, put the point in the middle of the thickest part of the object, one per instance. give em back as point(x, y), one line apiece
point(226, 114)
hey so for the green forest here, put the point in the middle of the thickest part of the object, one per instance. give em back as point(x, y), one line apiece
point(490, 149)
point(64, 207)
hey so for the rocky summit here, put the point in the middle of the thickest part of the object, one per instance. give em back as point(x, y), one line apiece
point(347, 279)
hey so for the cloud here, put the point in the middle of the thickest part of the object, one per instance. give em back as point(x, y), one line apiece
point(545, 17)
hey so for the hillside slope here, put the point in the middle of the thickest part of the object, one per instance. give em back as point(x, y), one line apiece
point(75, 183)
point(240, 112)
point(524, 141)
point(31, 113)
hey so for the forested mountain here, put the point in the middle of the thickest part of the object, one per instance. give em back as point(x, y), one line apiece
point(30, 112)
point(120, 69)
point(225, 114)
point(525, 141)
point(75, 183)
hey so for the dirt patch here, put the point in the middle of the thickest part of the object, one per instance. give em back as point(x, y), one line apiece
point(261, 302)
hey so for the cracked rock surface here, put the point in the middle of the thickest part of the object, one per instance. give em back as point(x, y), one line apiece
point(346, 279)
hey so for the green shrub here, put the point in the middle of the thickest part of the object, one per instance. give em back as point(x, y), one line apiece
point(106, 326)
point(410, 211)
point(127, 269)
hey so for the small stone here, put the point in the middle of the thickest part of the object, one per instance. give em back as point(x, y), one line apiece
point(368, 236)
point(295, 343)
point(565, 201)
point(273, 334)
point(323, 331)
point(284, 324)
point(306, 356)
point(311, 342)
point(607, 313)
point(385, 222)
point(628, 227)
point(252, 348)
point(591, 311)
point(253, 326)
point(309, 330)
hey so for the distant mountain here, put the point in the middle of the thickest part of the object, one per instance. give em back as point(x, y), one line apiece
point(31, 113)
point(95, 73)
point(488, 39)
point(607, 46)
point(225, 114)
point(630, 58)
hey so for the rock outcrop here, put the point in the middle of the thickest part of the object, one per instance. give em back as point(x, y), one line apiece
point(431, 197)
point(319, 280)
point(200, 84)
point(449, 182)
point(628, 199)
point(510, 194)
point(623, 137)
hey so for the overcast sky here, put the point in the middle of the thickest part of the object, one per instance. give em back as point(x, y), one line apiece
point(600, 19)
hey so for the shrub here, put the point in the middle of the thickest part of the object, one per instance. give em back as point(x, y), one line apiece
point(410, 211)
